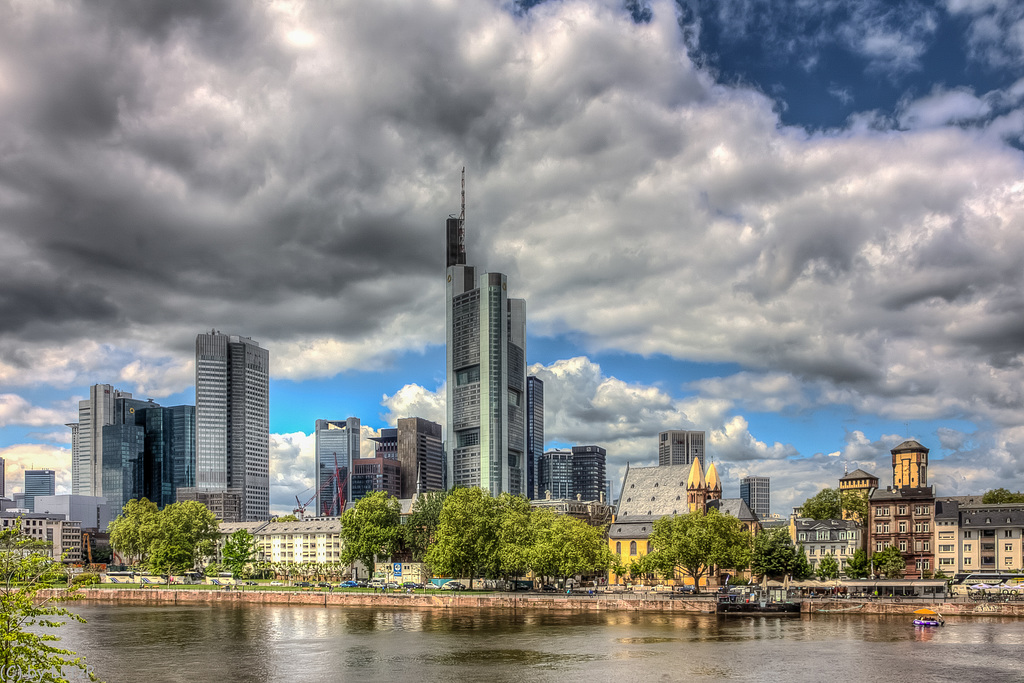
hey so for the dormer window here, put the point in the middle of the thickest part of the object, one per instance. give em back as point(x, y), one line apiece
point(652, 497)
point(655, 484)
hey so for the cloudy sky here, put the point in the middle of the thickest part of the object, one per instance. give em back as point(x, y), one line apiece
point(798, 226)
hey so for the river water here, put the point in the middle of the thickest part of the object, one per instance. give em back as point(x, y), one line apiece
point(254, 643)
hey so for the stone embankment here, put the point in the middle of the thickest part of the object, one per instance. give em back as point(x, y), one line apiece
point(633, 602)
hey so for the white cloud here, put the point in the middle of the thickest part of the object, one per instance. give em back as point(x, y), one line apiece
point(20, 457)
point(944, 107)
point(413, 400)
point(15, 410)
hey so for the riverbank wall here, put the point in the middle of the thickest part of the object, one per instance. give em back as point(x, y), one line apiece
point(514, 602)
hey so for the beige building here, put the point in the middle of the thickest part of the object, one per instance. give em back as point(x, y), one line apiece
point(820, 538)
point(973, 537)
point(64, 536)
point(316, 540)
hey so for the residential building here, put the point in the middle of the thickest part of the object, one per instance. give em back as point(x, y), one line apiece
point(972, 537)
point(680, 447)
point(92, 512)
point(64, 536)
point(819, 538)
point(485, 333)
point(756, 493)
point(420, 451)
point(316, 540)
point(534, 435)
point(38, 483)
point(903, 515)
point(233, 420)
point(337, 445)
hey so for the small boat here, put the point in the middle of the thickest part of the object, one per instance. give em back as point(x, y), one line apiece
point(927, 617)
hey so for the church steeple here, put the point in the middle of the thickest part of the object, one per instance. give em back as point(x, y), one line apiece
point(696, 488)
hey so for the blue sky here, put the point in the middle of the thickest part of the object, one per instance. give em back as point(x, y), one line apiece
point(797, 226)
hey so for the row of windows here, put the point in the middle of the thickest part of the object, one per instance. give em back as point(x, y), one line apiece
point(632, 547)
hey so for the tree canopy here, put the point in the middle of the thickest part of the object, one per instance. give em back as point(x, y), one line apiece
point(829, 503)
point(371, 528)
point(27, 650)
point(423, 521)
point(828, 568)
point(773, 554)
point(889, 562)
point(239, 552)
point(857, 566)
point(176, 539)
point(465, 537)
point(697, 542)
point(1001, 495)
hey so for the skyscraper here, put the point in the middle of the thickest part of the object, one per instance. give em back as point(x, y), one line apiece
point(38, 483)
point(233, 420)
point(337, 445)
point(756, 493)
point(486, 371)
point(94, 414)
point(534, 435)
point(421, 454)
point(588, 471)
point(680, 447)
point(555, 474)
point(3, 488)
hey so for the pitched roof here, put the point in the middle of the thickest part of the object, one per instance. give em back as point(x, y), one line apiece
point(735, 507)
point(858, 474)
point(909, 445)
point(654, 491)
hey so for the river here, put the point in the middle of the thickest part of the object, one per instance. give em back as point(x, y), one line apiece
point(307, 644)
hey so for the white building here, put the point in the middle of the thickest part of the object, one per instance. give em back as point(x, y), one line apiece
point(64, 536)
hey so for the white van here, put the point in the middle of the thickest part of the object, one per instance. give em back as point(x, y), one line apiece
point(377, 582)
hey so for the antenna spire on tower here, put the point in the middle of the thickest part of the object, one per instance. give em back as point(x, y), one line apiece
point(462, 216)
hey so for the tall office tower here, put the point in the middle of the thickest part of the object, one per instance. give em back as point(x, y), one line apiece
point(233, 420)
point(588, 472)
point(94, 413)
point(421, 454)
point(680, 447)
point(555, 474)
point(337, 445)
point(534, 434)
point(486, 371)
point(756, 493)
point(38, 483)
point(3, 488)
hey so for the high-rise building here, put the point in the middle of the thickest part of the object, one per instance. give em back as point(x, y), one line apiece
point(756, 493)
point(534, 435)
point(680, 447)
point(486, 371)
point(380, 473)
point(337, 445)
point(94, 414)
point(3, 488)
point(588, 472)
point(38, 483)
point(556, 474)
point(233, 420)
point(420, 451)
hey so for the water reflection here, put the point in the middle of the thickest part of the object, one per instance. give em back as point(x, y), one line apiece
point(226, 643)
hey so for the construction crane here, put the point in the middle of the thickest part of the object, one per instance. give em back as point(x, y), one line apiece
point(337, 502)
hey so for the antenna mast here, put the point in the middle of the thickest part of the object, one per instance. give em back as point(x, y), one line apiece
point(462, 216)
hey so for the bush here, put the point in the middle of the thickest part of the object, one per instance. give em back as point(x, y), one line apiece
point(85, 579)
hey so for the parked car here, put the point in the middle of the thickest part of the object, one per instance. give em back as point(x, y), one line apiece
point(453, 586)
point(304, 584)
point(412, 584)
point(349, 584)
point(323, 584)
point(276, 583)
point(548, 588)
point(391, 585)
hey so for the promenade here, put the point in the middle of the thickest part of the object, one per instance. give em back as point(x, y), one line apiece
point(633, 602)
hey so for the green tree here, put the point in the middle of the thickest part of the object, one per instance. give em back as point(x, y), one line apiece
point(855, 505)
point(371, 529)
point(515, 538)
point(565, 546)
point(285, 518)
point(1000, 496)
point(773, 554)
point(240, 551)
point(466, 536)
point(696, 543)
point(857, 566)
point(186, 534)
point(828, 568)
point(890, 563)
point(801, 570)
point(825, 504)
point(423, 521)
point(132, 533)
point(26, 646)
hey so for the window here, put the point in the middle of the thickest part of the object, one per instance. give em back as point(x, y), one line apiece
point(967, 547)
point(1007, 534)
point(917, 546)
point(882, 511)
point(1008, 547)
point(810, 550)
point(649, 547)
point(967, 534)
point(945, 548)
point(618, 547)
point(823, 535)
point(946, 560)
point(901, 509)
point(632, 547)
point(802, 536)
point(879, 547)
point(903, 546)
point(967, 561)
point(1008, 561)
point(903, 527)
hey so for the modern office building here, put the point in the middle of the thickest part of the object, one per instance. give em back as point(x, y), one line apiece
point(94, 413)
point(588, 472)
point(534, 435)
point(233, 420)
point(680, 447)
point(3, 488)
point(556, 474)
point(337, 445)
point(38, 483)
point(756, 493)
point(92, 512)
point(486, 372)
point(379, 473)
point(420, 451)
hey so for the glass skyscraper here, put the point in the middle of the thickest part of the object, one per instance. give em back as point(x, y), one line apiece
point(756, 493)
point(486, 371)
point(534, 435)
point(337, 445)
point(38, 483)
point(233, 420)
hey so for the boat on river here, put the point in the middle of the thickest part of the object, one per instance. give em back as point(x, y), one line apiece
point(927, 617)
point(756, 602)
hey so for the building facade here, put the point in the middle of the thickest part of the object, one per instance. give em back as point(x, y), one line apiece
point(226, 505)
point(337, 445)
point(94, 413)
point(420, 452)
point(756, 493)
point(485, 334)
point(860, 482)
point(972, 537)
point(64, 536)
point(3, 486)
point(233, 420)
point(819, 538)
point(556, 474)
point(680, 447)
point(588, 472)
point(38, 483)
point(903, 515)
point(92, 512)
point(534, 435)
